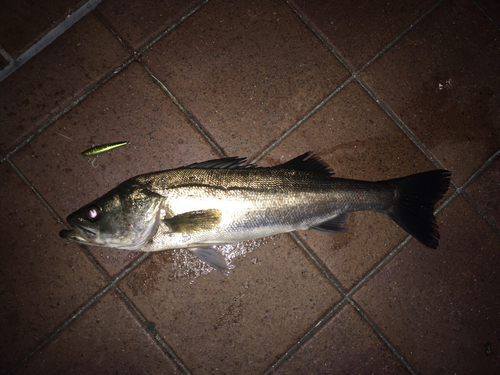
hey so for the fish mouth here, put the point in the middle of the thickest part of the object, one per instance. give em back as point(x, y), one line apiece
point(79, 234)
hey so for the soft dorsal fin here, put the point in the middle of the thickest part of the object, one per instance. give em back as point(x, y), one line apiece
point(225, 163)
point(307, 163)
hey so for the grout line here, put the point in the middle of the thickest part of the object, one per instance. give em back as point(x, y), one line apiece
point(150, 327)
point(381, 335)
point(56, 216)
point(402, 127)
point(399, 37)
point(318, 264)
point(480, 212)
point(487, 13)
point(329, 46)
point(48, 38)
point(131, 267)
point(164, 33)
point(396, 250)
point(351, 78)
point(66, 109)
point(309, 333)
point(81, 310)
point(184, 111)
point(378, 266)
point(59, 329)
point(471, 201)
point(37, 194)
point(302, 120)
point(480, 170)
point(106, 24)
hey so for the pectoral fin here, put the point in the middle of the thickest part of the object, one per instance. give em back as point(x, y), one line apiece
point(211, 256)
point(194, 221)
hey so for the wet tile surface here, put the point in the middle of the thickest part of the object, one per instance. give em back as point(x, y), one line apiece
point(254, 79)
point(239, 69)
point(51, 80)
point(451, 108)
point(43, 280)
point(441, 308)
point(106, 336)
point(242, 322)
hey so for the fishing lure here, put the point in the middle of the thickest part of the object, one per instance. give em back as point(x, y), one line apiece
point(96, 150)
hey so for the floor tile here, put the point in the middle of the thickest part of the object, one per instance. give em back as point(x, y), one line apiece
point(107, 338)
point(451, 107)
point(346, 344)
point(48, 82)
point(484, 192)
point(43, 280)
point(241, 323)
point(355, 137)
point(491, 8)
point(358, 30)
point(246, 71)
point(129, 107)
point(441, 308)
point(139, 22)
point(24, 22)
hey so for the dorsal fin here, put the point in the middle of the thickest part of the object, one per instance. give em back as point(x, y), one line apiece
point(225, 163)
point(307, 163)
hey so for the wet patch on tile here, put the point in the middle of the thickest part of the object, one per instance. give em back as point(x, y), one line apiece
point(241, 322)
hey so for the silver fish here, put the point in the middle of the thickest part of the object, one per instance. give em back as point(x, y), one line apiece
point(225, 201)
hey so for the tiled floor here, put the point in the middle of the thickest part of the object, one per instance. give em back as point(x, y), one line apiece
point(377, 89)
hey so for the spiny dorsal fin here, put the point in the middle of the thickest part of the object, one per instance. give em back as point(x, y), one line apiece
point(225, 163)
point(307, 163)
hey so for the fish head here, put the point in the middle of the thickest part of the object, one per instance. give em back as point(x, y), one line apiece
point(126, 217)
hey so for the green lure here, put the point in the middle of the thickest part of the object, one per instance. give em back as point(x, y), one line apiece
point(103, 148)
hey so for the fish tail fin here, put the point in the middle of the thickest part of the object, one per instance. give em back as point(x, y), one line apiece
point(415, 197)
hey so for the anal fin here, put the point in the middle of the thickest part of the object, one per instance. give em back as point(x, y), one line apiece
point(211, 256)
point(334, 225)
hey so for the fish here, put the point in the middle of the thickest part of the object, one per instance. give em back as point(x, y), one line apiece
point(95, 150)
point(225, 201)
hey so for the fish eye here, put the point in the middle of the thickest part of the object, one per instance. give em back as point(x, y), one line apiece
point(93, 213)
